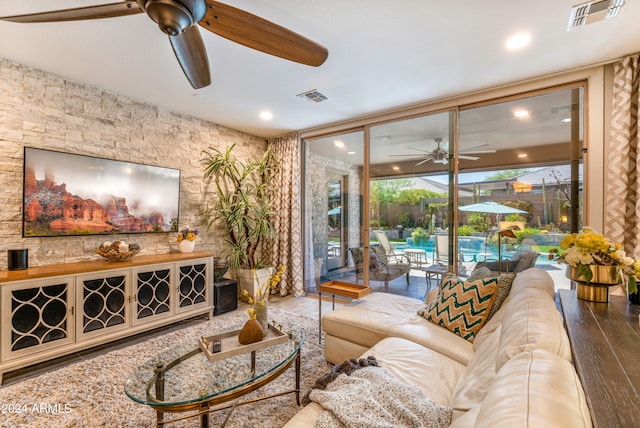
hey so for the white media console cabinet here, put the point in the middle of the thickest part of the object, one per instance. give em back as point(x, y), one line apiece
point(54, 310)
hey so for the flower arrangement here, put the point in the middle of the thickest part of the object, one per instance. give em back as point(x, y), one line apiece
point(259, 300)
point(188, 234)
point(581, 250)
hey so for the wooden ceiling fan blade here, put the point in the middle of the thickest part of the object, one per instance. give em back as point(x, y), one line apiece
point(262, 35)
point(111, 10)
point(192, 56)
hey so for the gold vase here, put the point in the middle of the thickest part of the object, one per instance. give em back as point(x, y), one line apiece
point(605, 275)
point(597, 289)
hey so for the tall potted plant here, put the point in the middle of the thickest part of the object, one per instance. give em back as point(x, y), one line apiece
point(243, 207)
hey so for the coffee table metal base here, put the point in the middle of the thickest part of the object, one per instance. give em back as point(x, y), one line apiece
point(204, 408)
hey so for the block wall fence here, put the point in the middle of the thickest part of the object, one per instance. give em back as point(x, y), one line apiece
point(42, 110)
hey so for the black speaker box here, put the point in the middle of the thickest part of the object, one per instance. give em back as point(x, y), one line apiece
point(17, 259)
point(225, 296)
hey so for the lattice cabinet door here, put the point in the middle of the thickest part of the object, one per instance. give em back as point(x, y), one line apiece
point(194, 284)
point(37, 315)
point(152, 293)
point(102, 301)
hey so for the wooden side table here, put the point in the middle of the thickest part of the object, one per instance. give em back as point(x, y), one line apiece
point(605, 343)
point(345, 289)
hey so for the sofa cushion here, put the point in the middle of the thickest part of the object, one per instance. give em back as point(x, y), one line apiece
point(535, 389)
point(435, 374)
point(476, 379)
point(462, 306)
point(531, 320)
point(366, 321)
point(533, 278)
point(433, 336)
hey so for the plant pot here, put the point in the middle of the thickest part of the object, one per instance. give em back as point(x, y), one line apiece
point(607, 275)
point(186, 246)
point(248, 281)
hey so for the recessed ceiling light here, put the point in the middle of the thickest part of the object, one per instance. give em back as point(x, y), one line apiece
point(522, 155)
point(395, 168)
point(521, 114)
point(338, 143)
point(566, 120)
point(266, 115)
point(518, 41)
point(351, 153)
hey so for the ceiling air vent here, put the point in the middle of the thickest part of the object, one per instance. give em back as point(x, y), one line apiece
point(312, 95)
point(593, 11)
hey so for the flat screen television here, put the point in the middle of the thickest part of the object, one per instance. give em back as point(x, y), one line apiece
point(68, 194)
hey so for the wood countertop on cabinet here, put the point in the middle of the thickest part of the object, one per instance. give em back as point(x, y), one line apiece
point(74, 268)
point(605, 342)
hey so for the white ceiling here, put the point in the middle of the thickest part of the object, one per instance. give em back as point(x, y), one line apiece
point(382, 54)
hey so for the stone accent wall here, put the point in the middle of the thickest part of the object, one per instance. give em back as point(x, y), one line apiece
point(42, 110)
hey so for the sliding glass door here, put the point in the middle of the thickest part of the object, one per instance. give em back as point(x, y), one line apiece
point(521, 183)
point(447, 189)
point(334, 211)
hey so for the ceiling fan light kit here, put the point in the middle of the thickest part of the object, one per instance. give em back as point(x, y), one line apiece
point(180, 19)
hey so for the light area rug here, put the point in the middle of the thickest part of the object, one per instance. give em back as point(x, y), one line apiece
point(91, 393)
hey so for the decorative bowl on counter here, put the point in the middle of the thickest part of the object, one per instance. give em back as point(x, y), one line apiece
point(118, 251)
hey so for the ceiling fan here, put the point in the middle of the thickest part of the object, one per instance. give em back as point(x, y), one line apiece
point(440, 155)
point(179, 19)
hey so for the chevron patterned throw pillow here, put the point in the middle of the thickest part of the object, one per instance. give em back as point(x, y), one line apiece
point(462, 306)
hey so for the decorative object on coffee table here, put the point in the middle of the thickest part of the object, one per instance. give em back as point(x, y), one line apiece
point(118, 251)
point(251, 332)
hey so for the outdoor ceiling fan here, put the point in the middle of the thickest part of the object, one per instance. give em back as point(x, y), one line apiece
point(440, 155)
point(179, 19)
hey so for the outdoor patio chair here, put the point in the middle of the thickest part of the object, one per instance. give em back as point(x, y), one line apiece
point(380, 268)
point(390, 253)
point(441, 251)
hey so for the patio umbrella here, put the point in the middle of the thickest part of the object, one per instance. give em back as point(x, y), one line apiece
point(334, 211)
point(490, 208)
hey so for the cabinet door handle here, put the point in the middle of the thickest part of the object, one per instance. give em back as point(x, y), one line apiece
point(72, 308)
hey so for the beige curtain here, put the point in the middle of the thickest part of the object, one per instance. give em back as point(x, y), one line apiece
point(288, 248)
point(622, 221)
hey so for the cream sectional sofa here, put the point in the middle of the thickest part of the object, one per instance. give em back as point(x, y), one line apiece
point(517, 372)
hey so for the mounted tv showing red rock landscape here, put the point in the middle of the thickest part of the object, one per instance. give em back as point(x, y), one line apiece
point(68, 194)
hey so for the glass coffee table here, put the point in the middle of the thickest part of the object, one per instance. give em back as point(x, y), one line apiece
point(191, 378)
